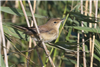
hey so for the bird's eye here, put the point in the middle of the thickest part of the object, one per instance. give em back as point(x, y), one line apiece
point(55, 22)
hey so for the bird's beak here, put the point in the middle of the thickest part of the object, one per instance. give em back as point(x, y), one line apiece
point(62, 20)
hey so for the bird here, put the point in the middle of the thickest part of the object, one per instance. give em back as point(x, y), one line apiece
point(49, 31)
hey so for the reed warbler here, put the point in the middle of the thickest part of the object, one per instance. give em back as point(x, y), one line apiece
point(48, 31)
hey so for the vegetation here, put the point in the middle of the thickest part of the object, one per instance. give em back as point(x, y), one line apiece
point(78, 43)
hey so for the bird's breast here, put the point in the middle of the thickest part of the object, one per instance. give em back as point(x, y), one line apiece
point(49, 36)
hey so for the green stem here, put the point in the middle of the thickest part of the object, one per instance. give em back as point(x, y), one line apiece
point(55, 51)
point(67, 38)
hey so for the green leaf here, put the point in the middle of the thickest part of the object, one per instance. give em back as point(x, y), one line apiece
point(61, 42)
point(64, 46)
point(69, 33)
point(70, 60)
point(96, 57)
point(97, 48)
point(86, 48)
point(97, 43)
point(82, 17)
point(10, 31)
point(18, 12)
point(2, 61)
point(87, 29)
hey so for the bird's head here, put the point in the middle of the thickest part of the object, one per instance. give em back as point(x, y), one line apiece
point(55, 22)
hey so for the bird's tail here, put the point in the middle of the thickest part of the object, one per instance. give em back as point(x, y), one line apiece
point(23, 29)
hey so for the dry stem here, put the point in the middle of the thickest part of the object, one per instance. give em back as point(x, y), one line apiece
point(29, 26)
point(3, 39)
point(47, 52)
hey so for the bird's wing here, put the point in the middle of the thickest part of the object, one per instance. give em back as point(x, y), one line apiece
point(42, 29)
point(32, 30)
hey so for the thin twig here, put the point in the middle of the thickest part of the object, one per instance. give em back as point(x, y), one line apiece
point(14, 16)
point(3, 39)
point(66, 50)
point(30, 40)
point(33, 39)
point(84, 59)
point(8, 46)
point(92, 51)
point(30, 45)
point(22, 54)
point(34, 6)
point(86, 7)
point(35, 45)
point(50, 44)
point(38, 53)
point(78, 54)
point(29, 26)
point(90, 25)
point(47, 52)
point(78, 37)
point(24, 13)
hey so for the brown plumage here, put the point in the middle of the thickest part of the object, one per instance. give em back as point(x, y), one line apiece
point(48, 31)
